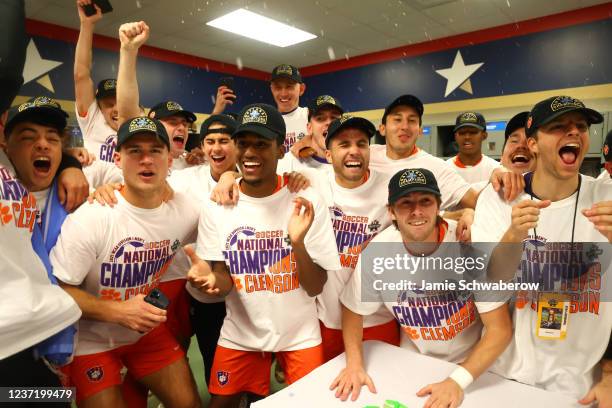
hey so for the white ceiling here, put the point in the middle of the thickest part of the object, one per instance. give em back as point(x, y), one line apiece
point(345, 28)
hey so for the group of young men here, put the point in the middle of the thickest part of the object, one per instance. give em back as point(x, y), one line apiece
point(260, 249)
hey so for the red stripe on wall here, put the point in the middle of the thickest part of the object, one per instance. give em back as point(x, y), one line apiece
point(42, 29)
point(565, 19)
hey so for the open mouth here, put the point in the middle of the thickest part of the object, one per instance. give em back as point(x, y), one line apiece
point(178, 139)
point(353, 164)
point(417, 223)
point(250, 166)
point(146, 174)
point(217, 158)
point(42, 164)
point(569, 153)
point(520, 158)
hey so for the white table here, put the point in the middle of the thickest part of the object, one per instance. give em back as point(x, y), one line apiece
point(398, 374)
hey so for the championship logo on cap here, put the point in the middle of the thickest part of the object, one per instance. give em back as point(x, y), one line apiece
point(95, 374)
point(110, 84)
point(142, 124)
point(326, 99)
point(412, 177)
point(173, 106)
point(284, 69)
point(345, 117)
point(562, 102)
point(39, 101)
point(469, 117)
point(223, 377)
point(255, 114)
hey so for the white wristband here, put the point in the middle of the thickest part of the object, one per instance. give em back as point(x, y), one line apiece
point(462, 377)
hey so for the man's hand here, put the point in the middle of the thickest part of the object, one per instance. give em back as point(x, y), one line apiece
point(225, 97)
point(445, 394)
point(105, 194)
point(90, 20)
point(200, 275)
point(82, 155)
point(133, 35)
point(464, 226)
point(138, 315)
point(296, 182)
point(525, 216)
point(601, 392)
point(195, 157)
point(300, 221)
point(72, 188)
point(303, 147)
point(349, 381)
point(511, 183)
point(226, 191)
point(600, 214)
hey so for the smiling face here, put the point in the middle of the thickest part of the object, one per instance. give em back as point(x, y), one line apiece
point(401, 131)
point(108, 107)
point(145, 161)
point(560, 145)
point(469, 139)
point(349, 153)
point(257, 158)
point(36, 152)
point(416, 215)
point(516, 155)
point(319, 123)
point(286, 93)
point(219, 150)
point(177, 127)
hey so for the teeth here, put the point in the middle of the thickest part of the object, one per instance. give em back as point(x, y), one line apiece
point(353, 163)
point(249, 164)
point(572, 145)
point(42, 158)
point(418, 223)
point(217, 157)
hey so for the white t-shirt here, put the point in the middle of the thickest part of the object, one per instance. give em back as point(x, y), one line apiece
point(99, 138)
point(117, 253)
point(267, 310)
point(101, 172)
point(444, 325)
point(295, 124)
point(604, 175)
point(179, 163)
point(451, 185)
point(32, 308)
point(291, 163)
point(480, 172)
point(568, 365)
point(357, 215)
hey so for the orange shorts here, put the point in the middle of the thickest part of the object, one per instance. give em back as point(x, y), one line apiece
point(178, 321)
point(333, 344)
point(92, 373)
point(236, 371)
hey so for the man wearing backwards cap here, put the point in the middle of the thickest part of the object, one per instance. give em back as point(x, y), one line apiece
point(401, 127)
point(96, 108)
point(470, 131)
point(287, 86)
point(108, 259)
point(175, 119)
point(310, 151)
point(414, 205)
point(607, 154)
point(559, 205)
point(271, 308)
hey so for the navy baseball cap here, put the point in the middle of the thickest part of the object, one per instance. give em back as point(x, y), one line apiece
point(549, 109)
point(409, 181)
point(142, 124)
point(470, 119)
point(106, 87)
point(286, 71)
point(227, 121)
point(263, 120)
point(37, 109)
point(347, 121)
point(404, 100)
point(322, 102)
point(170, 108)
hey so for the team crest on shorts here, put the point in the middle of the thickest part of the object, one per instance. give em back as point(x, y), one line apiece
point(95, 374)
point(223, 377)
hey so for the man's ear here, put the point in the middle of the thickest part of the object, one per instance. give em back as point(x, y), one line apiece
point(302, 88)
point(328, 156)
point(484, 135)
point(382, 129)
point(532, 144)
point(117, 159)
point(391, 213)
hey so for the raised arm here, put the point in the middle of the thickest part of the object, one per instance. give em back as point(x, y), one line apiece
point(132, 36)
point(83, 84)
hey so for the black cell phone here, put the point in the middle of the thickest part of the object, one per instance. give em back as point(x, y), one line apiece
point(157, 298)
point(104, 5)
point(228, 82)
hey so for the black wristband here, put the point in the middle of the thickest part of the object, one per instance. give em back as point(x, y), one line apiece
point(69, 161)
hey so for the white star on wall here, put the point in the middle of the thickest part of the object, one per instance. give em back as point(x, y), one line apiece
point(36, 67)
point(459, 75)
